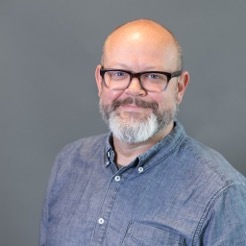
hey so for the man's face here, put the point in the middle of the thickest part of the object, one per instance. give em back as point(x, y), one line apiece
point(135, 115)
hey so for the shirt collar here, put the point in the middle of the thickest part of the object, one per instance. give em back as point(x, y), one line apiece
point(164, 147)
point(109, 151)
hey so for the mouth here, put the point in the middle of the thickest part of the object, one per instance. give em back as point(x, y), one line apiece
point(133, 108)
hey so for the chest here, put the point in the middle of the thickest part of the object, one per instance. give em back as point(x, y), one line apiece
point(136, 207)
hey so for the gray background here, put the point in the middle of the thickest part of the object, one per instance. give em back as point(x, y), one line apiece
point(48, 96)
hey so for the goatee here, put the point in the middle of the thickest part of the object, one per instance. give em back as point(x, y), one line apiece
point(133, 129)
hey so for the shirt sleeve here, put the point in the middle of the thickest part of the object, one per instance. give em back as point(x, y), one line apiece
point(45, 212)
point(224, 222)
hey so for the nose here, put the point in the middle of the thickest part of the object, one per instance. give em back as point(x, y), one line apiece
point(135, 88)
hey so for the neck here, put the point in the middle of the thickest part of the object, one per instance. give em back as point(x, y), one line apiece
point(127, 152)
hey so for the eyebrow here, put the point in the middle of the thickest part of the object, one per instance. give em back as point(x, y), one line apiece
point(125, 67)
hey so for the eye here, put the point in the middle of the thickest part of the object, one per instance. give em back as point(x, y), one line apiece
point(118, 75)
point(154, 76)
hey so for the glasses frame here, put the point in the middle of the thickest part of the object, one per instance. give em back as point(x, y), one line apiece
point(138, 76)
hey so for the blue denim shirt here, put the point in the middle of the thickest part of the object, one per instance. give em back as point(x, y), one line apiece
point(179, 192)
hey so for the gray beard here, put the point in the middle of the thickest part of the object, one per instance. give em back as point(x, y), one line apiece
point(135, 130)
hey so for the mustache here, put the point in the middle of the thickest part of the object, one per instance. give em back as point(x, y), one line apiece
point(138, 102)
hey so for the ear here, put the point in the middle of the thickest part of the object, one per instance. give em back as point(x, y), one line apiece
point(182, 85)
point(98, 79)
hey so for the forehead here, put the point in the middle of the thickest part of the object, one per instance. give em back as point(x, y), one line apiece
point(141, 43)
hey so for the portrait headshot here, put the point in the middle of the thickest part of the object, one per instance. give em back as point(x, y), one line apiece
point(122, 123)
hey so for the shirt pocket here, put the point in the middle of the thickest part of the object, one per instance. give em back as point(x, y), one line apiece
point(139, 234)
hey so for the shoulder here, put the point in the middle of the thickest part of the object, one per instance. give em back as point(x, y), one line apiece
point(217, 188)
point(212, 176)
point(209, 163)
point(80, 151)
point(83, 144)
point(222, 191)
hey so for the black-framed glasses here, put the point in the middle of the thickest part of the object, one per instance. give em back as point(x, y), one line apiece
point(153, 81)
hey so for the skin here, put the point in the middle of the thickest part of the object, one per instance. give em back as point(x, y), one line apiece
point(141, 45)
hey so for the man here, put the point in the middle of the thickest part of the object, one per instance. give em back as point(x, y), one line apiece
point(146, 182)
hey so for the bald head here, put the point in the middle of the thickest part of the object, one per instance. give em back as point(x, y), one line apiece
point(152, 33)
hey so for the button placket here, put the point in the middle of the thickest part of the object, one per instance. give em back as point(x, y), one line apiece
point(140, 169)
point(117, 178)
point(101, 221)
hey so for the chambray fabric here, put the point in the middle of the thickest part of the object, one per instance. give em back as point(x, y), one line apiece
point(179, 192)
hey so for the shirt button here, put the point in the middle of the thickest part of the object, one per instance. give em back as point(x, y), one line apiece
point(117, 178)
point(101, 221)
point(140, 169)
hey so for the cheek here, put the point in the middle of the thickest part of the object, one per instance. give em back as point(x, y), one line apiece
point(108, 96)
point(167, 101)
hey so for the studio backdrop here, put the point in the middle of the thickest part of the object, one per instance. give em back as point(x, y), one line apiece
point(48, 96)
